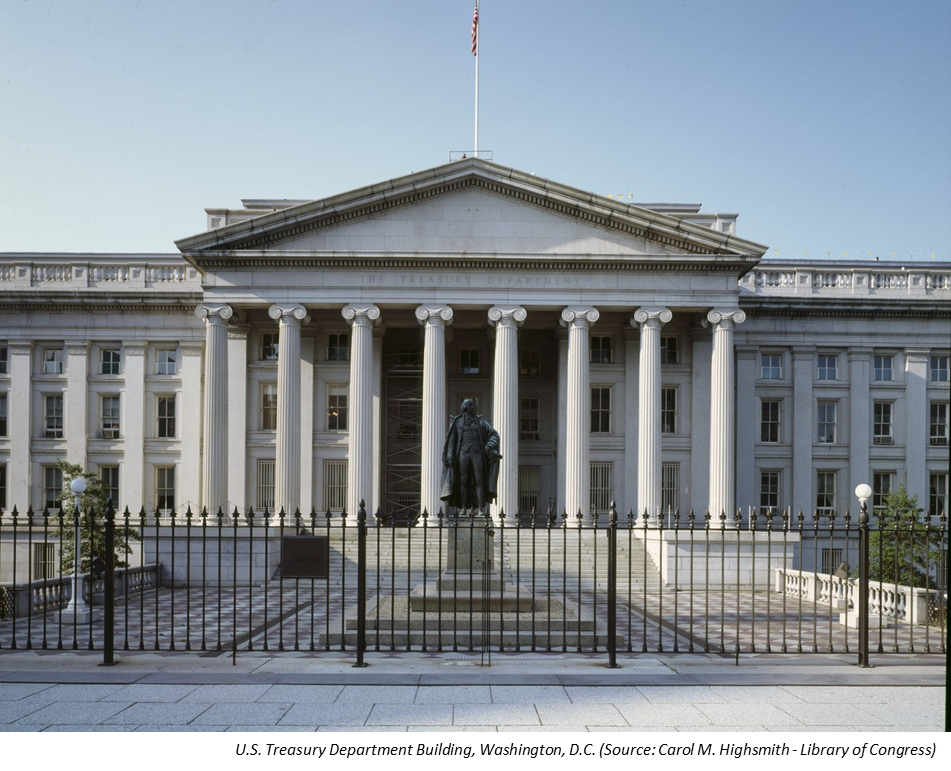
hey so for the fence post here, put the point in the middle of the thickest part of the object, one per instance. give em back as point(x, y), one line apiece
point(612, 587)
point(109, 612)
point(361, 584)
point(863, 585)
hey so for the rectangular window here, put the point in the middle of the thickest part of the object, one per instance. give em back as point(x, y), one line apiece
point(165, 412)
point(882, 423)
point(770, 423)
point(410, 357)
point(825, 492)
point(600, 410)
point(937, 494)
point(668, 410)
point(166, 362)
point(336, 408)
point(268, 407)
point(409, 415)
point(53, 361)
point(769, 490)
point(831, 559)
point(165, 488)
point(828, 366)
point(884, 368)
point(3, 414)
point(602, 486)
point(53, 417)
point(3, 486)
point(335, 485)
point(110, 483)
point(338, 347)
point(44, 561)
point(469, 361)
point(528, 418)
point(529, 361)
point(939, 369)
point(529, 488)
point(882, 483)
point(601, 349)
point(109, 428)
point(109, 364)
point(265, 496)
point(3, 360)
point(938, 431)
point(52, 487)
point(669, 349)
point(670, 487)
point(269, 346)
point(826, 415)
point(771, 366)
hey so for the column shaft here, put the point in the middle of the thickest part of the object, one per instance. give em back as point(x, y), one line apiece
point(505, 403)
point(214, 467)
point(722, 418)
point(287, 456)
point(360, 463)
point(649, 447)
point(578, 424)
point(434, 405)
point(238, 493)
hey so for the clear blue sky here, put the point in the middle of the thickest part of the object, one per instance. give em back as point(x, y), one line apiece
point(826, 124)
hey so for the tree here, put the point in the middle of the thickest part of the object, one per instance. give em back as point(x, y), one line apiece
point(904, 549)
point(92, 530)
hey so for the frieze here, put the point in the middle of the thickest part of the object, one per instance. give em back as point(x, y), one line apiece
point(525, 280)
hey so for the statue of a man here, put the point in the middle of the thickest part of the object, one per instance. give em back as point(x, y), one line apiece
point(471, 459)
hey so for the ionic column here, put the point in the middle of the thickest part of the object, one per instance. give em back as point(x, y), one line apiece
point(722, 498)
point(360, 463)
point(648, 400)
point(287, 456)
point(578, 424)
point(434, 321)
point(505, 403)
point(214, 462)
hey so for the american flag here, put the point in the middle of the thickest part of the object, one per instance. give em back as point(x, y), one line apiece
point(475, 31)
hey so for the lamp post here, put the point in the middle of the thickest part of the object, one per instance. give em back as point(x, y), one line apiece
point(863, 492)
point(78, 608)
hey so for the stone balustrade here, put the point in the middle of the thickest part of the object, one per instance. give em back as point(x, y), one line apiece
point(106, 273)
point(846, 279)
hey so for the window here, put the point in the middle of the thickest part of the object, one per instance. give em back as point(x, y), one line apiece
point(825, 492)
point(529, 488)
point(831, 559)
point(528, 418)
point(3, 361)
point(828, 366)
point(882, 423)
point(337, 408)
point(338, 347)
point(269, 346)
point(826, 422)
point(602, 486)
point(109, 364)
point(166, 362)
point(937, 494)
point(882, 483)
point(335, 485)
point(109, 428)
point(165, 488)
point(600, 410)
point(409, 414)
point(44, 561)
point(771, 366)
point(938, 432)
point(469, 361)
point(52, 487)
point(165, 410)
point(53, 361)
point(3, 486)
point(669, 349)
point(268, 406)
point(410, 357)
point(110, 483)
point(3, 414)
point(53, 417)
point(884, 368)
point(529, 361)
point(265, 500)
point(670, 487)
point(668, 410)
point(769, 490)
point(601, 349)
point(771, 410)
point(939, 369)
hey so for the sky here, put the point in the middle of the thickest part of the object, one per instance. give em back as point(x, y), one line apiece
point(826, 124)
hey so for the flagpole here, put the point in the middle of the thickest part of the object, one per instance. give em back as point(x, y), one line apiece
point(475, 52)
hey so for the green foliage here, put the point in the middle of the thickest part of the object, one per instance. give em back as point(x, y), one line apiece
point(903, 549)
point(92, 530)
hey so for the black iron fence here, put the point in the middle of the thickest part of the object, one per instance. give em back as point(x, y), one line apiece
point(760, 582)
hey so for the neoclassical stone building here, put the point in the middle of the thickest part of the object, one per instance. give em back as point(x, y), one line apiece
point(308, 354)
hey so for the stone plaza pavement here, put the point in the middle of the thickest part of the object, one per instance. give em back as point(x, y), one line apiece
point(70, 691)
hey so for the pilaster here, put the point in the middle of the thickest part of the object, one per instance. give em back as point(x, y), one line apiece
point(917, 416)
point(19, 422)
point(859, 425)
point(77, 403)
point(748, 421)
point(802, 424)
point(132, 473)
point(189, 474)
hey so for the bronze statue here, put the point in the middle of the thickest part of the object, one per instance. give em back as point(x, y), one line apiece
point(471, 460)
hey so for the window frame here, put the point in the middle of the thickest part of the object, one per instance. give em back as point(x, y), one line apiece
point(54, 361)
point(823, 494)
point(166, 424)
point(771, 425)
point(470, 361)
point(110, 361)
point(601, 349)
point(599, 410)
point(883, 368)
point(821, 437)
point(54, 425)
point(109, 485)
point(338, 346)
point(771, 491)
point(110, 425)
point(165, 490)
point(528, 416)
point(883, 423)
point(939, 368)
point(270, 346)
point(668, 410)
point(334, 491)
point(337, 410)
point(669, 354)
point(771, 366)
point(268, 406)
point(823, 369)
point(166, 362)
point(600, 496)
point(54, 475)
point(938, 424)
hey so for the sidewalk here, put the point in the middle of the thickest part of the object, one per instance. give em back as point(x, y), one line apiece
point(70, 691)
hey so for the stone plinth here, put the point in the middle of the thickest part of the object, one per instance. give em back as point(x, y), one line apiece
point(200, 556)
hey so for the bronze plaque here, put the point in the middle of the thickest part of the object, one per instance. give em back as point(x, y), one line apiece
point(305, 556)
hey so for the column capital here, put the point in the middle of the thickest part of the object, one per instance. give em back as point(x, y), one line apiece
point(918, 355)
point(238, 331)
point(135, 347)
point(77, 348)
point(507, 317)
point(440, 315)
point(579, 317)
point(214, 313)
point(746, 352)
point(361, 314)
point(288, 314)
point(803, 352)
point(729, 315)
point(20, 347)
point(859, 354)
point(192, 347)
point(651, 316)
